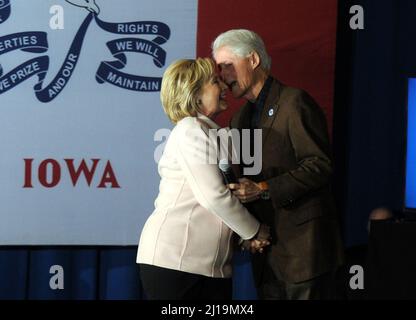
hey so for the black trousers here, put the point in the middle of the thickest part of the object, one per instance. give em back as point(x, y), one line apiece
point(273, 287)
point(167, 284)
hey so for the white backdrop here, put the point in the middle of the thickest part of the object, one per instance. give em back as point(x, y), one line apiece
point(84, 119)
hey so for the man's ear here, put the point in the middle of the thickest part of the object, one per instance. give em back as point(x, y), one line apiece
point(254, 59)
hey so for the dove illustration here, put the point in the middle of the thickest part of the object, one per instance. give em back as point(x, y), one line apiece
point(90, 5)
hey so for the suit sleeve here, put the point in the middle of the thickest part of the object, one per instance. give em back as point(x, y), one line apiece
point(309, 139)
point(197, 158)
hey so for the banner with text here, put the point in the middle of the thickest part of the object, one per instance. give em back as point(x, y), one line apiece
point(80, 115)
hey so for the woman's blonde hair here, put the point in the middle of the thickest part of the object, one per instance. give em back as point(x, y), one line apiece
point(181, 84)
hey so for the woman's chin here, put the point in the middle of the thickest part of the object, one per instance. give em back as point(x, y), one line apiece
point(223, 106)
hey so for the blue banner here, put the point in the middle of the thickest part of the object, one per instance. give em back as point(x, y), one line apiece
point(4, 10)
point(31, 41)
point(51, 91)
point(159, 29)
point(78, 98)
point(108, 72)
point(117, 47)
point(37, 66)
point(26, 41)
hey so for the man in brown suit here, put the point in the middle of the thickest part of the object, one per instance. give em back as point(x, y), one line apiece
point(292, 193)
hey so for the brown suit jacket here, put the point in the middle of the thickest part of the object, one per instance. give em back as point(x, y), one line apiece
point(297, 166)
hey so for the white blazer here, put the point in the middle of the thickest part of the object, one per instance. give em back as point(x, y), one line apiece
point(195, 213)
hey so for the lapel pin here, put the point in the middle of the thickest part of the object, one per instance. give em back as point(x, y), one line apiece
point(271, 111)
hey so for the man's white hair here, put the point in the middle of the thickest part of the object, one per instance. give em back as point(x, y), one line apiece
point(242, 42)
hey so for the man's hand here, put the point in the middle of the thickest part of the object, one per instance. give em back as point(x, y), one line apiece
point(246, 190)
point(264, 233)
point(258, 243)
point(254, 245)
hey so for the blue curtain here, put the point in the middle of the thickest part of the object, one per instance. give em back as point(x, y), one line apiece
point(373, 66)
point(89, 273)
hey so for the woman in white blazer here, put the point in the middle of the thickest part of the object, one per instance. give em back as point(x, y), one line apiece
point(186, 244)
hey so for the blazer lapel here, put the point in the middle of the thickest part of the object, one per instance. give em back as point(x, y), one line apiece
point(270, 109)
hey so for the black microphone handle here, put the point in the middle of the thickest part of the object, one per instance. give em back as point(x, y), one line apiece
point(229, 177)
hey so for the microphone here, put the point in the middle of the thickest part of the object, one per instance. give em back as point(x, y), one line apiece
point(227, 172)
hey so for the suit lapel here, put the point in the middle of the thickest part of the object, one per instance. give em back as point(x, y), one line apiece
point(270, 109)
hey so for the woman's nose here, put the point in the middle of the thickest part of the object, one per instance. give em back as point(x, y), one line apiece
point(223, 86)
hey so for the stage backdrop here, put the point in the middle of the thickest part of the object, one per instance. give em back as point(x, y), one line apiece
point(300, 37)
point(119, 128)
point(80, 115)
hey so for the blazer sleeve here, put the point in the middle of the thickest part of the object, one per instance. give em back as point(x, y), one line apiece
point(309, 139)
point(197, 155)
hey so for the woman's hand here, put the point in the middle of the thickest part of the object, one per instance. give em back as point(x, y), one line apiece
point(260, 240)
point(246, 190)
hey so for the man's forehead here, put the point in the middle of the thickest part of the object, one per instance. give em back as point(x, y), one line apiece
point(224, 54)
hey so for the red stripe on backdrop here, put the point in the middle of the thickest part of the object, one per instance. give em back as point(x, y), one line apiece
point(300, 37)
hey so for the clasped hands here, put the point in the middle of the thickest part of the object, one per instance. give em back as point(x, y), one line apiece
point(260, 240)
point(246, 190)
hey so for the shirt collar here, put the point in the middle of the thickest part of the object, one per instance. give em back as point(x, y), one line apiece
point(261, 99)
point(208, 121)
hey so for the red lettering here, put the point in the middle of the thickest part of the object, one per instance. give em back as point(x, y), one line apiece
point(108, 177)
point(88, 173)
point(28, 173)
point(56, 173)
point(49, 173)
